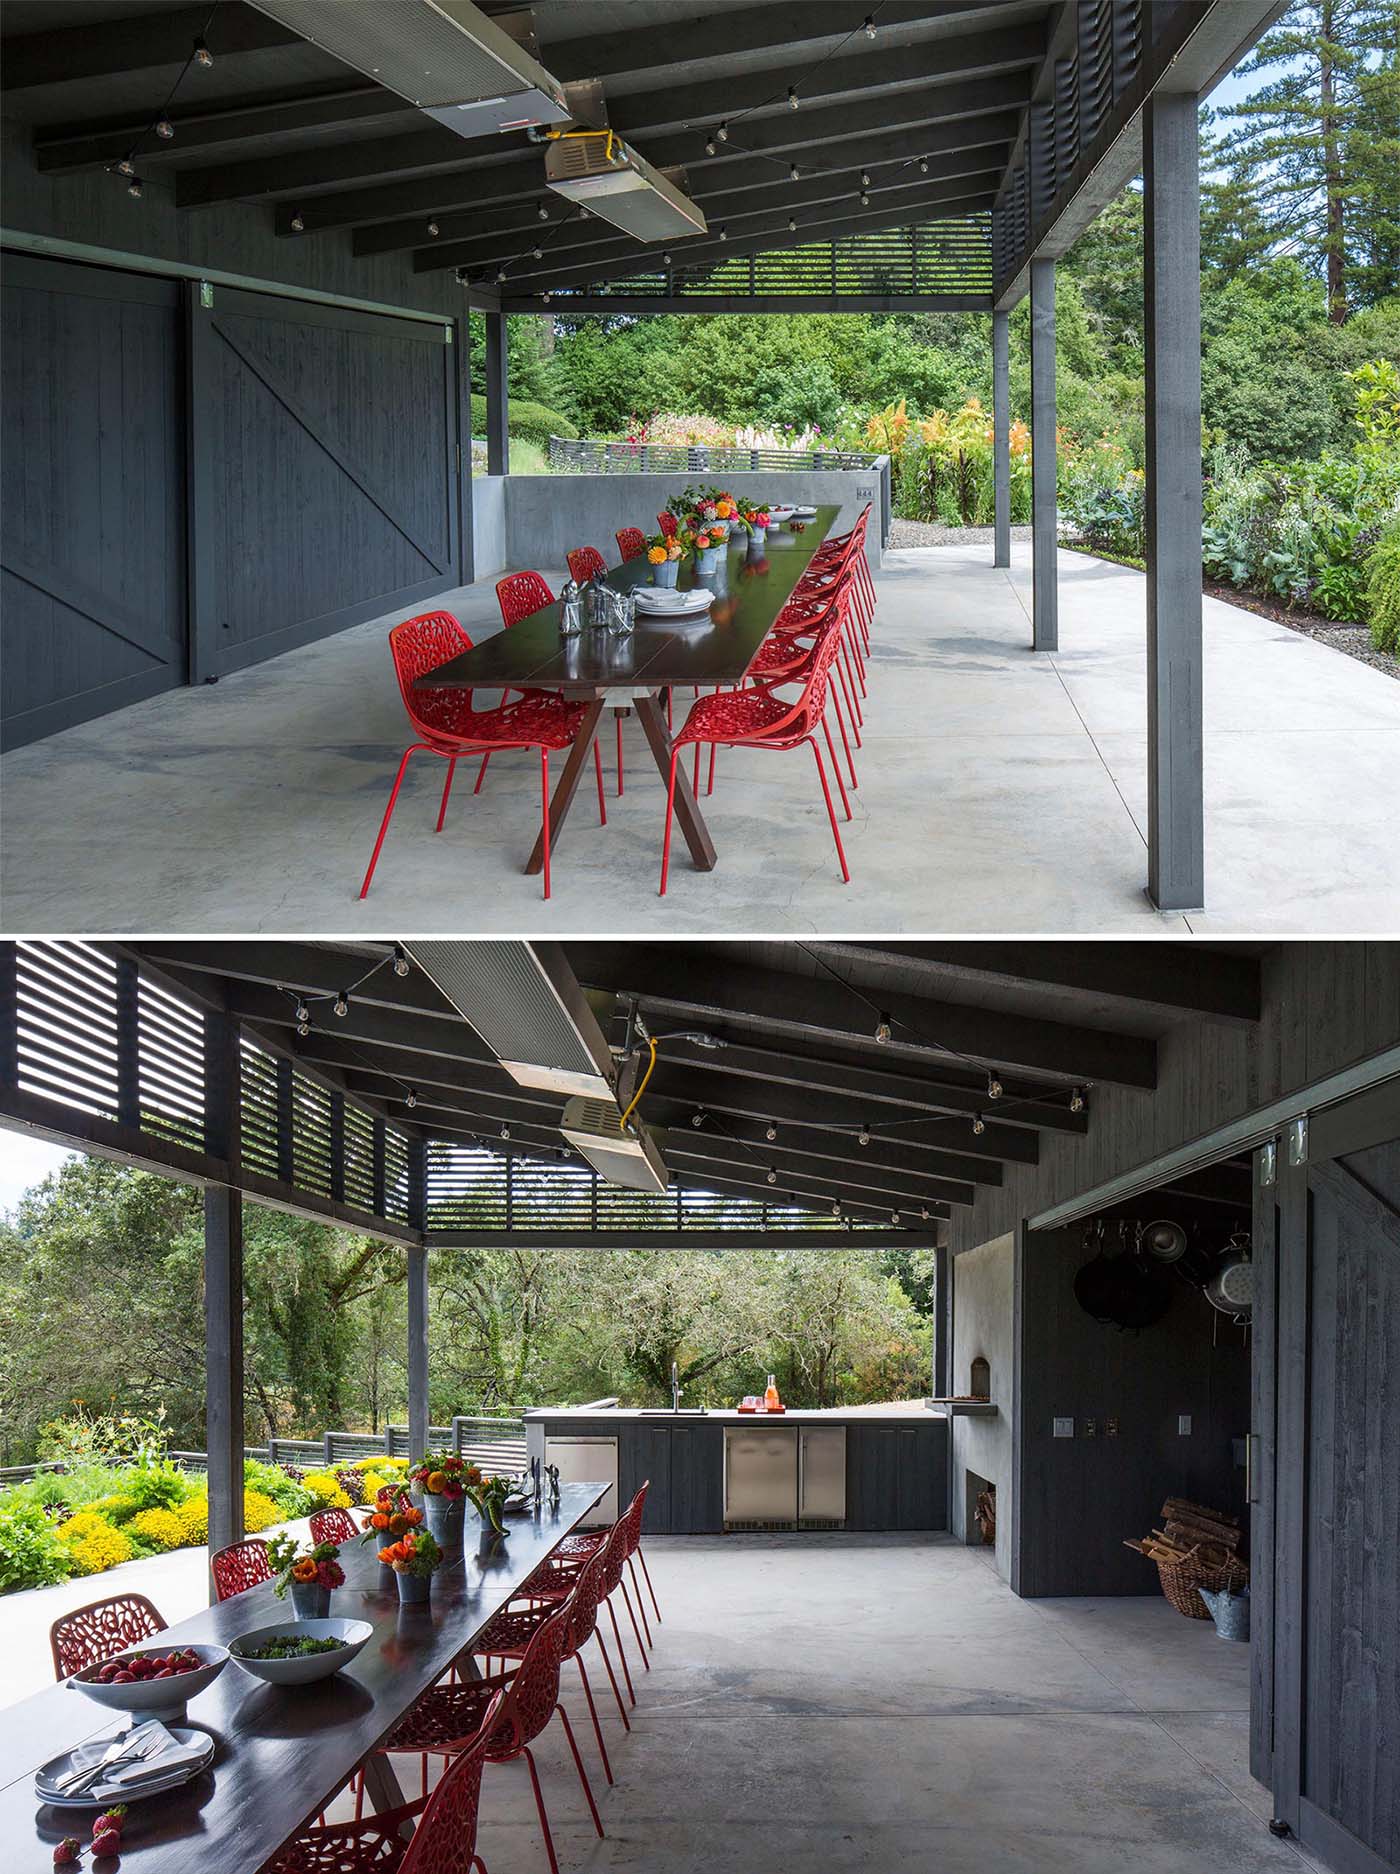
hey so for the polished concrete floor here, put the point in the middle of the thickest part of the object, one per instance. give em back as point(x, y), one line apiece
point(1000, 791)
point(844, 1703)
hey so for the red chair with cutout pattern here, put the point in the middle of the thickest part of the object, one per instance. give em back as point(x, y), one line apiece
point(631, 543)
point(101, 1630)
point(334, 1525)
point(242, 1565)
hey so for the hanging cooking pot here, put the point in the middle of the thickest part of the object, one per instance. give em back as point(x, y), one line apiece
point(1231, 1287)
point(1163, 1240)
point(1096, 1283)
point(1121, 1291)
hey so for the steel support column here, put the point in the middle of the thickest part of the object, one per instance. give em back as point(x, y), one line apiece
point(1172, 292)
point(1001, 436)
point(1045, 618)
point(497, 396)
point(417, 1302)
point(223, 1286)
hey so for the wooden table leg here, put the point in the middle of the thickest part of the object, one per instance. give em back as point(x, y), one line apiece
point(688, 815)
point(382, 1786)
point(564, 793)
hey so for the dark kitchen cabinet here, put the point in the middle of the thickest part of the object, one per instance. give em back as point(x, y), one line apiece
point(896, 1476)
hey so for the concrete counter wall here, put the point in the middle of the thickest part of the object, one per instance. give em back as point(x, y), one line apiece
point(534, 520)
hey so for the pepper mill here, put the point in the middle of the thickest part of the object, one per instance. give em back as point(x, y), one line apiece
point(571, 611)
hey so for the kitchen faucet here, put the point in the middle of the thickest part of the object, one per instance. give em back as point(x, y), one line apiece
point(675, 1387)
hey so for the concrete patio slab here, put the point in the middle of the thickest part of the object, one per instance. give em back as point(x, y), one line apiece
point(1000, 791)
point(871, 1703)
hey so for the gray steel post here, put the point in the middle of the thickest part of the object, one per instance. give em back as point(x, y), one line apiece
point(1001, 436)
point(1172, 292)
point(497, 396)
point(1045, 616)
point(418, 1350)
point(223, 1362)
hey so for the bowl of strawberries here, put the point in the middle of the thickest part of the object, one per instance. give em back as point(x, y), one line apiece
point(155, 1681)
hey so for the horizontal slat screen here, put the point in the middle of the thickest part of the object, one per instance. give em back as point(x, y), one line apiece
point(395, 1174)
point(359, 1157)
point(259, 1110)
point(170, 1052)
point(472, 1189)
point(66, 1022)
point(311, 1136)
point(952, 257)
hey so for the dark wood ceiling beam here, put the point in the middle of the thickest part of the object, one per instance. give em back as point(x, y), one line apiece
point(842, 1150)
point(800, 1192)
point(633, 50)
point(85, 146)
point(1174, 978)
point(703, 1157)
point(312, 969)
point(579, 254)
point(940, 61)
point(840, 1095)
point(719, 185)
point(368, 1024)
point(799, 136)
point(899, 209)
point(715, 981)
point(138, 43)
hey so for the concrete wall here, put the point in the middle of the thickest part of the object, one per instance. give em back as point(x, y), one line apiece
point(983, 1323)
point(546, 515)
point(489, 556)
point(1325, 1005)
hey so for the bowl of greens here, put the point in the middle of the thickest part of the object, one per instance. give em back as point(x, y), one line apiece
point(297, 1652)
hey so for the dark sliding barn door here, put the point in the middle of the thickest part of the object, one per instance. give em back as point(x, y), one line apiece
point(1326, 1723)
point(92, 504)
point(324, 470)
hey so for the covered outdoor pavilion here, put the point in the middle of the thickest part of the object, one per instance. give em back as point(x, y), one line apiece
point(282, 278)
point(1026, 1095)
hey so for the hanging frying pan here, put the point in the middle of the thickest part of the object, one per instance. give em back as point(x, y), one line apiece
point(1122, 1291)
point(1163, 1240)
point(1231, 1287)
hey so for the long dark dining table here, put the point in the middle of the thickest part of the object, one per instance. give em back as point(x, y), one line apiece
point(751, 589)
point(282, 1752)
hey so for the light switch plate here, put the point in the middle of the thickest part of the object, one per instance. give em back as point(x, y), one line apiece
point(1183, 1425)
point(1064, 1428)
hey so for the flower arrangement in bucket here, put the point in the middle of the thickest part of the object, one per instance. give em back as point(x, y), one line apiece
point(441, 1478)
point(664, 555)
point(754, 521)
point(706, 544)
point(414, 1558)
point(489, 1495)
point(393, 1516)
point(309, 1570)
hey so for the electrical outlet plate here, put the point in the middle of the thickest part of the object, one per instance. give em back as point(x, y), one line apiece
point(1064, 1428)
point(1183, 1425)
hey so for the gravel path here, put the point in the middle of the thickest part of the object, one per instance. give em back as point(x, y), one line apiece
point(935, 534)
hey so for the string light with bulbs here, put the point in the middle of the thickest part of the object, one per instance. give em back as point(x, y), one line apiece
point(160, 126)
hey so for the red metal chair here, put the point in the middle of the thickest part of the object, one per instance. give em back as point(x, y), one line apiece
point(447, 1718)
point(509, 1634)
point(757, 718)
point(669, 525)
point(443, 1842)
point(555, 1580)
point(88, 1635)
point(242, 1565)
point(334, 1525)
point(631, 543)
point(586, 563)
point(521, 594)
point(448, 725)
point(577, 1548)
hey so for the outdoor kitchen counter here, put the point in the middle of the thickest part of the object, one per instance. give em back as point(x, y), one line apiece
point(896, 1463)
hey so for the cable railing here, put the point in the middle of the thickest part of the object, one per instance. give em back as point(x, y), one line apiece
point(586, 456)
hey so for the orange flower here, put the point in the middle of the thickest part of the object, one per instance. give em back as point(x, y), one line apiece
point(379, 1520)
point(411, 1514)
point(398, 1522)
point(304, 1570)
point(435, 1481)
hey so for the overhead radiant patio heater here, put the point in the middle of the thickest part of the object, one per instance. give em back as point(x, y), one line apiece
point(446, 57)
point(605, 175)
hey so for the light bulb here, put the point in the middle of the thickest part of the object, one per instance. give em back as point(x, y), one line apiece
point(864, 179)
point(994, 1087)
point(979, 1124)
point(723, 133)
point(433, 229)
point(792, 224)
point(303, 1013)
point(537, 253)
point(697, 1119)
point(772, 1176)
point(870, 25)
point(723, 234)
point(795, 174)
point(203, 57)
point(505, 1132)
point(164, 128)
point(134, 187)
point(863, 1136)
point(501, 277)
point(303, 1028)
point(771, 1132)
point(710, 149)
point(923, 165)
point(793, 99)
point(836, 1210)
point(400, 960)
point(923, 1213)
point(882, 1027)
point(298, 223)
point(894, 1218)
point(1076, 1101)
point(410, 1099)
point(342, 1005)
point(126, 167)
point(542, 212)
point(864, 199)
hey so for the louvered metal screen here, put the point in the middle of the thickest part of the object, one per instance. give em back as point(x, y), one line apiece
point(473, 1189)
point(395, 1174)
point(170, 1057)
point(941, 258)
point(359, 1157)
point(260, 1127)
point(66, 1022)
point(311, 1136)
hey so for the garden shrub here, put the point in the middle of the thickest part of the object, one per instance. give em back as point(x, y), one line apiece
point(352, 1482)
point(93, 1543)
point(259, 1512)
point(154, 1486)
point(1383, 590)
point(31, 1555)
point(374, 1482)
point(534, 422)
point(193, 1518)
point(286, 1489)
point(325, 1489)
point(116, 1508)
point(160, 1529)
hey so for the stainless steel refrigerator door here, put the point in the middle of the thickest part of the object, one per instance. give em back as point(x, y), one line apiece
point(760, 1476)
point(822, 1474)
point(588, 1461)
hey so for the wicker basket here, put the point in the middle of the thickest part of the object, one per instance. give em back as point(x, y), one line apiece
point(1180, 1580)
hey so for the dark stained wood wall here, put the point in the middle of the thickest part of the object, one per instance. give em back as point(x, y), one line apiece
point(1079, 1497)
point(1326, 1005)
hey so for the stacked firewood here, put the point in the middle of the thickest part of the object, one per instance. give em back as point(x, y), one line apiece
point(1191, 1532)
point(985, 1514)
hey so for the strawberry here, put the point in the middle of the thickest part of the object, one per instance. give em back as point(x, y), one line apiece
point(110, 1821)
point(67, 1850)
point(108, 1843)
